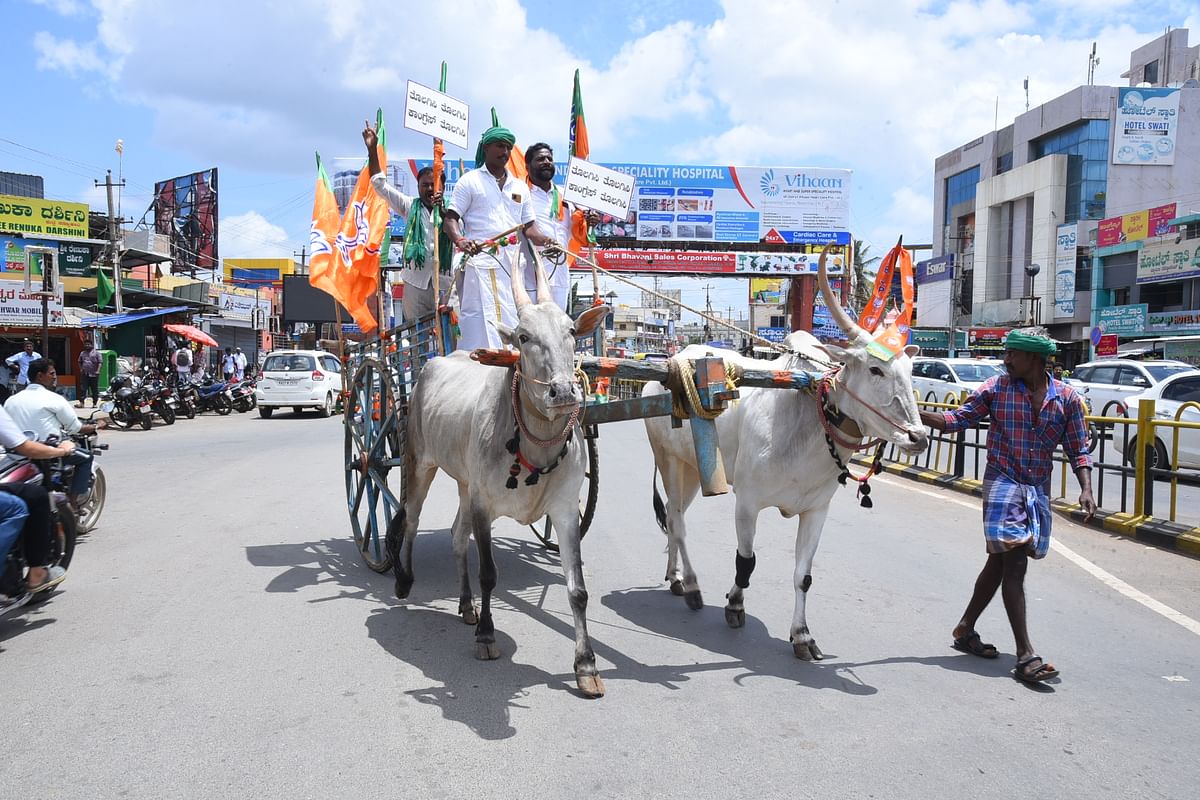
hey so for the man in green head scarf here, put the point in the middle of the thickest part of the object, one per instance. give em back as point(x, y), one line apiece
point(489, 201)
point(1030, 416)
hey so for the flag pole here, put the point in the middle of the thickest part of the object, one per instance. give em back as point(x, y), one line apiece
point(439, 343)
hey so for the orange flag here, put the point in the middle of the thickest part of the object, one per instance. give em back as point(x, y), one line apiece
point(323, 263)
point(358, 243)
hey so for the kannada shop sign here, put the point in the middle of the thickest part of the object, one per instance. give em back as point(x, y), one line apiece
point(1173, 322)
point(1065, 250)
point(776, 335)
point(19, 308)
point(1135, 226)
point(1147, 127)
point(31, 216)
point(1166, 261)
point(1122, 320)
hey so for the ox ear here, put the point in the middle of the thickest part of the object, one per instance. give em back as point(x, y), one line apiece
point(507, 334)
point(836, 353)
point(912, 350)
point(587, 322)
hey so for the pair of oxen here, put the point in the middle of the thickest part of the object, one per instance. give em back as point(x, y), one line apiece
point(510, 440)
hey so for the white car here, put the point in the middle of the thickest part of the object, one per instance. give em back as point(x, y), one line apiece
point(1116, 380)
point(1168, 395)
point(936, 378)
point(299, 379)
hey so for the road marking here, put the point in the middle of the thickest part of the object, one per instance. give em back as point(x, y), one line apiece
point(1107, 578)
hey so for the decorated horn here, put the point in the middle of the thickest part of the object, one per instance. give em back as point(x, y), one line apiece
point(520, 296)
point(835, 308)
point(543, 283)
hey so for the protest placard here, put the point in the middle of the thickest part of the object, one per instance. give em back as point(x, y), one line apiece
point(598, 188)
point(438, 115)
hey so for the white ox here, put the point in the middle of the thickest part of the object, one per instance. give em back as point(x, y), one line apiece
point(776, 455)
point(463, 419)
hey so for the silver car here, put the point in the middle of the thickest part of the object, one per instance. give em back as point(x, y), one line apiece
point(937, 378)
point(1111, 382)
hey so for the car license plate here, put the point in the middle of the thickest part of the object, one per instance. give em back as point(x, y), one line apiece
point(145, 409)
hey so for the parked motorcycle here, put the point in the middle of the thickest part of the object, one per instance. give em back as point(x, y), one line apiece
point(162, 399)
point(243, 396)
point(214, 397)
point(131, 403)
point(16, 469)
point(188, 398)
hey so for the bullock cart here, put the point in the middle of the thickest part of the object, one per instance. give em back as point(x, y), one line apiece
point(380, 374)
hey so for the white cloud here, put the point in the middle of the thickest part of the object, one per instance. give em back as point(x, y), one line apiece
point(250, 235)
point(67, 55)
point(67, 8)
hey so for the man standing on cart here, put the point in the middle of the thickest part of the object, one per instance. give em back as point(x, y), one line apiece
point(487, 202)
point(417, 275)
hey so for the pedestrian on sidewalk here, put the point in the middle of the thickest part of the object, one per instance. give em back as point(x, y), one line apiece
point(1031, 414)
point(89, 374)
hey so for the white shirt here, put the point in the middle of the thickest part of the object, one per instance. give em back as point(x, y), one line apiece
point(488, 211)
point(240, 360)
point(46, 413)
point(11, 435)
point(22, 360)
point(413, 275)
point(557, 229)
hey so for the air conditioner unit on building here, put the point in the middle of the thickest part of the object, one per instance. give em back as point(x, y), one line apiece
point(148, 242)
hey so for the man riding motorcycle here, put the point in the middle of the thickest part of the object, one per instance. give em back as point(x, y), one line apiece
point(29, 515)
point(48, 414)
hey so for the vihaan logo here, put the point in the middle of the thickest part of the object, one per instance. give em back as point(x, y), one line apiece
point(767, 183)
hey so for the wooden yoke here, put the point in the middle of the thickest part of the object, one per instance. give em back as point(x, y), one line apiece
point(713, 394)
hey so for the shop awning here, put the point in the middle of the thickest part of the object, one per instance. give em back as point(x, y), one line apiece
point(191, 332)
point(1186, 219)
point(113, 320)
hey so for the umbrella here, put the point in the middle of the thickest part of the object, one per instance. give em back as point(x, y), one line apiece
point(191, 332)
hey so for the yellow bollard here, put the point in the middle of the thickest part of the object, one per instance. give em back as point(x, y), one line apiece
point(1145, 433)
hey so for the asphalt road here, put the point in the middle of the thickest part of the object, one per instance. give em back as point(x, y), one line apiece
point(217, 637)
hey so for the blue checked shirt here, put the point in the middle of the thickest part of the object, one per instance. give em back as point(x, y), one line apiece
point(1016, 447)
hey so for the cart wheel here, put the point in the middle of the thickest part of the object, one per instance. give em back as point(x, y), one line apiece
point(373, 448)
point(588, 493)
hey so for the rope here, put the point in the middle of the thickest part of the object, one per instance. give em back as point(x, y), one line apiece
point(572, 420)
point(681, 380)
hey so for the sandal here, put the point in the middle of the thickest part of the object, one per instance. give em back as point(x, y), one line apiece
point(1025, 670)
point(971, 643)
point(54, 576)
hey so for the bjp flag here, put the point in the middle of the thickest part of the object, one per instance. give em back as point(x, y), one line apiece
point(324, 262)
point(579, 147)
point(359, 242)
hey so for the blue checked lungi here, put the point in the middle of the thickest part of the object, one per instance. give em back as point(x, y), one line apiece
point(1015, 515)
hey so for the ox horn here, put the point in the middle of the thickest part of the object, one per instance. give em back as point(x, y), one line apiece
point(835, 307)
point(520, 296)
point(543, 283)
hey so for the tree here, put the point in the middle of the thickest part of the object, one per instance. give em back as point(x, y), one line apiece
point(864, 281)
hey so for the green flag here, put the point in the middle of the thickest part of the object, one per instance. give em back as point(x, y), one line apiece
point(104, 289)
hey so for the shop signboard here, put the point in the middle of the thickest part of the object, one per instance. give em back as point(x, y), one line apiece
point(1173, 322)
point(1107, 347)
point(74, 259)
point(773, 334)
point(1168, 261)
point(986, 338)
point(31, 217)
point(1065, 250)
point(712, 262)
point(1136, 226)
point(1147, 127)
point(1122, 320)
point(240, 306)
point(18, 307)
point(932, 270)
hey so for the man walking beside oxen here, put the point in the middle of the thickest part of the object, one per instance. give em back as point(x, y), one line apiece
point(1031, 415)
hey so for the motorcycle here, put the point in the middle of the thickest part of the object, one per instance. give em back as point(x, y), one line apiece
point(130, 401)
point(188, 398)
point(162, 399)
point(15, 469)
point(214, 397)
point(91, 504)
point(243, 396)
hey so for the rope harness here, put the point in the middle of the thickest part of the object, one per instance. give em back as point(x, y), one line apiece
point(685, 397)
point(514, 444)
point(831, 418)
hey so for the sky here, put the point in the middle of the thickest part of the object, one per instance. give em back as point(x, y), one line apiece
point(254, 88)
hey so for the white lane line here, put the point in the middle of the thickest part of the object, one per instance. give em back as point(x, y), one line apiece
point(1107, 578)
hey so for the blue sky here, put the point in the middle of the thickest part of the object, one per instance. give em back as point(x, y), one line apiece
point(254, 88)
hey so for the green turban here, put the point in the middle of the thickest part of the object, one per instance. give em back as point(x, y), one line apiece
point(491, 135)
point(1030, 343)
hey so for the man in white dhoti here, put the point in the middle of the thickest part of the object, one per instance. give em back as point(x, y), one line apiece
point(488, 201)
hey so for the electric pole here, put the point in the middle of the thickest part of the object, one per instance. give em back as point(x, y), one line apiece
point(303, 255)
point(114, 239)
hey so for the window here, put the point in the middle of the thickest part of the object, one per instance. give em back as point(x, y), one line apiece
point(1166, 296)
point(1183, 391)
point(1103, 375)
point(1004, 163)
point(289, 363)
point(779, 321)
point(1160, 372)
point(921, 369)
point(1086, 146)
point(960, 189)
point(1084, 373)
point(1130, 376)
point(942, 373)
point(331, 364)
point(1150, 72)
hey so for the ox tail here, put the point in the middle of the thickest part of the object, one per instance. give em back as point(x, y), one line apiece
point(660, 508)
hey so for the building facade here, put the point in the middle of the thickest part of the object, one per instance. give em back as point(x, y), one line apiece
point(1021, 209)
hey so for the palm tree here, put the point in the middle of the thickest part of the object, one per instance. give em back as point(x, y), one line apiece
point(863, 280)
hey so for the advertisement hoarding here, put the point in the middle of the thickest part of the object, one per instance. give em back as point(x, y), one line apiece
point(31, 217)
point(1065, 251)
point(775, 335)
point(185, 210)
point(1147, 127)
point(1127, 320)
point(1167, 261)
point(991, 339)
point(1135, 226)
point(1173, 322)
point(687, 202)
point(768, 291)
point(1107, 346)
point(932, 270)
point(711, 262)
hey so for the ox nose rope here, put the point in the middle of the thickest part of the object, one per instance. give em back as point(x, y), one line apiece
point(514, 444)
point(832, 433)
